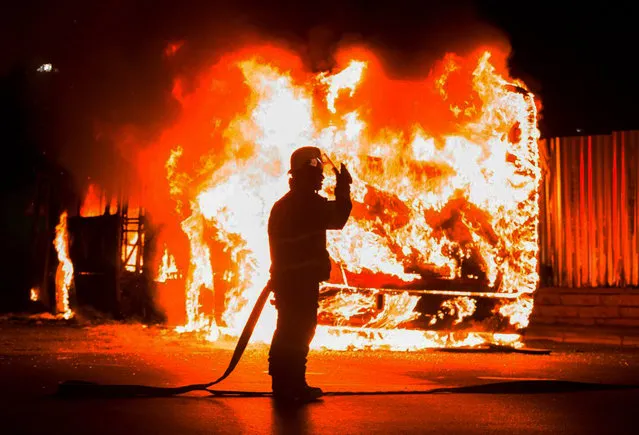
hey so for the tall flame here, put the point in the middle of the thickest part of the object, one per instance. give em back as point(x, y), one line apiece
point(64, 273)
point(200, 275)
point(445, 171)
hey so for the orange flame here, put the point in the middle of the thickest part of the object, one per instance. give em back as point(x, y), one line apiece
point(200, 275)
point(446, 172)
point(96, 202)
point(34, 294)
point(92, 204)
point(168, 268)
point(64, 273)
point(460, 307)
point(130, 252)
point(518, 311)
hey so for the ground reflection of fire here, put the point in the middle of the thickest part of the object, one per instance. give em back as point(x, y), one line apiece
point(446, 185)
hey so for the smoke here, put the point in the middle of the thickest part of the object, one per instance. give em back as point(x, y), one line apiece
point(112, 93)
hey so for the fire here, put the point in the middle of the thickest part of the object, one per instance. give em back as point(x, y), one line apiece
point(459, 307)
point(446, 174)
point(98, 202)
point(92, 204)
point(518, 311)
point(346, 79)
point(200, 274)
point(168, 268)
point(344, 338)
point(34, 294)
point(130, 251)
point(64, 274)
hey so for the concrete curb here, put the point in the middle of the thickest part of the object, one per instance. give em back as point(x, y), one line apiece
point(623, 337)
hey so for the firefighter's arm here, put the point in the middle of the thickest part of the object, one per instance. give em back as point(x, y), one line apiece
point(340, 209)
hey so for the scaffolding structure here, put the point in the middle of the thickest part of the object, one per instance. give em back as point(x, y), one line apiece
point(132, 238)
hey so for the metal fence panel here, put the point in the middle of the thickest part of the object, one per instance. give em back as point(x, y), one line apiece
point(590, 211)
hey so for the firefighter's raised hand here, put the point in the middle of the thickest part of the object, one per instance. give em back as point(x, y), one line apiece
point(343, 176)
point(343, 184)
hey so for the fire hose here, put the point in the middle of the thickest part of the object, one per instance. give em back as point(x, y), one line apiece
point(83, 388)
point(76, 389)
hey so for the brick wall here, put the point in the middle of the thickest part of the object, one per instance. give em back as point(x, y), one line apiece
point(587, 306)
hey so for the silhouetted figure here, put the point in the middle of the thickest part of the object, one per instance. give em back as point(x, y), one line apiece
point(299, 262)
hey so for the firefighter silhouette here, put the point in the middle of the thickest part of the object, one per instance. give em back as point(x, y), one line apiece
point(299, 262)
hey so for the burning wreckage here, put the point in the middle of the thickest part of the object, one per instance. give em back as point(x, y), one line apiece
point(441, 247)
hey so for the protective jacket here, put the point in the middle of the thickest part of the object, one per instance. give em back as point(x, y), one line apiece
point(297, 233)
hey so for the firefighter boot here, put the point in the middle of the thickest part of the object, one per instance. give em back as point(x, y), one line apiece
point(299, 377)
point(287, 389)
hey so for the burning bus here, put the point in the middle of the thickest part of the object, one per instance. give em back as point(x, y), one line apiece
point(442, 245)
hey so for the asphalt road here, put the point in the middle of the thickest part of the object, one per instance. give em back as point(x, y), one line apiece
point(510, 392)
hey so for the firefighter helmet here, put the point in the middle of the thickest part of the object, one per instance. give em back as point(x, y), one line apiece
point(306, 157)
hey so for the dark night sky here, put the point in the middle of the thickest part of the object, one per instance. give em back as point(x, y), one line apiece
point(578, 58)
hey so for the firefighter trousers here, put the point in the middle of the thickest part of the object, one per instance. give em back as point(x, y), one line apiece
point(297, 305)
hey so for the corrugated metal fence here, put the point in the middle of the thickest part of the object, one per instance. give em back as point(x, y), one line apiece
point(589, 211)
